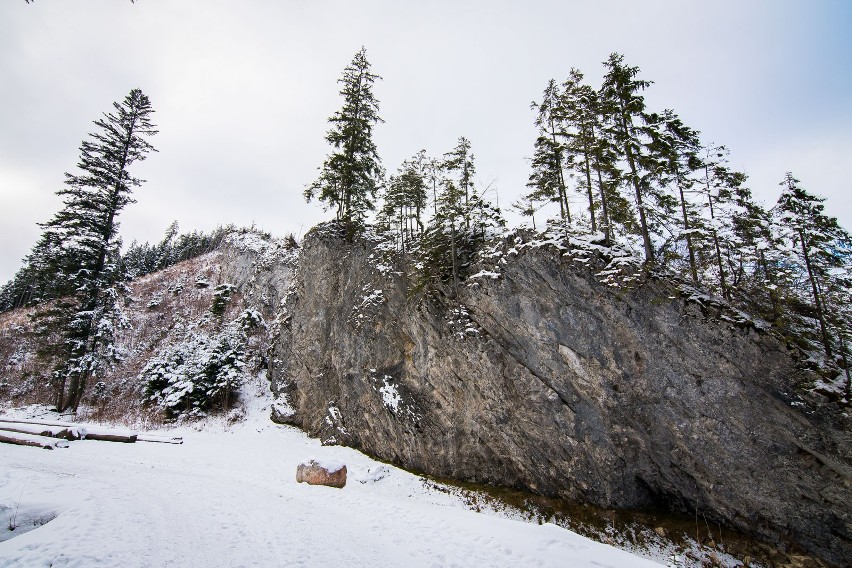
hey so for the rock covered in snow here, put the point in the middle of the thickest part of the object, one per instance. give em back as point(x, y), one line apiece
point(321, 472)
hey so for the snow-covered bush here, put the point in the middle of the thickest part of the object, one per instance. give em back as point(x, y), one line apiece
point(221, 297)
point(202, 373)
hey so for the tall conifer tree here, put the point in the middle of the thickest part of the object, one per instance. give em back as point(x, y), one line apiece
point(352, 174)
point(548, 177)
point(678, 149)
point(624, 108)
point(816, 241)
point(81, 245)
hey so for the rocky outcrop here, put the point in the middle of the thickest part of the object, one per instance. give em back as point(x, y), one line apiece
point(545, 379)
point(260, 269)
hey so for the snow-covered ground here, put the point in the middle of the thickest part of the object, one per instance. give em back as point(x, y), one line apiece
point(228, 497)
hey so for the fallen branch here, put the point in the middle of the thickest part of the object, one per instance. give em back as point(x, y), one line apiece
point(21, 439)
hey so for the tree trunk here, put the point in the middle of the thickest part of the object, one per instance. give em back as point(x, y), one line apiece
point(563, 193)
point(843, 356)
point(589, 186)
point(725, 292)
point(604, 206)
point(817, 302)
point(692, 266)
point(453, 254)
point(31, 440)
point(634, 178)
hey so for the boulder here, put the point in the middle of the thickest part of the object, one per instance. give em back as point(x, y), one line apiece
point(321, 472)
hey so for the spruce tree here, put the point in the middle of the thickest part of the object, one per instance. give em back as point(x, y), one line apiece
point(580, 113)
point(818, 244)
point(548, 177)
point(546, 180)
point(80, 244)
point(405, 198)
point(352, 174)
point(461, 160)
point(732, 217)
point(624, 109)
point(751, 250)
point(462, 221)
point(678, 149)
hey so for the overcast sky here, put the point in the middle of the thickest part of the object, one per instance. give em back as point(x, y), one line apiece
point(243, 90)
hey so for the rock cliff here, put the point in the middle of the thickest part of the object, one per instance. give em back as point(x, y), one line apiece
point(544, 378)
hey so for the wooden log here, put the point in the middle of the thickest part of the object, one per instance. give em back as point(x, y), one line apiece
point(87, 432)
point(66, 432)
point(21, 439)
point(108, 435)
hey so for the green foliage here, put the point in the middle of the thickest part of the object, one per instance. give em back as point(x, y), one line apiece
point(464, 219)
point(650, 182)
point(818, 251)
point(405, 199)
point(221, 298)
point(547, 179)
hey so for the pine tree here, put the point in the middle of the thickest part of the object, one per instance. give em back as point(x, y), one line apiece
point(624, 109)
point(405, 198)
point(462, 221)
point(579, 105)
point(460, 160)
point(733, 220)
point(81, 244)
point(750, 249)
point(817, 243)
point(546, 181)
point(677, 147)
point(548, 177)
point(433, 173)
point(352, 174)
point(528, 206)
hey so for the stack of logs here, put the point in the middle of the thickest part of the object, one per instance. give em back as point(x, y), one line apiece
point(50, 434)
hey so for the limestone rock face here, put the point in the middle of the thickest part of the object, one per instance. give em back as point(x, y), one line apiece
point(547, 380)
point(313, 472)
point(259, 269)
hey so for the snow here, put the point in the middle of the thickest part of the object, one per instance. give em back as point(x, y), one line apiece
point(486, 274)
point(370, 301)
point(249, 241)
point(836, 386)
point(228, 497)
point(283, 407)
point(328, 464)
point(390, 395)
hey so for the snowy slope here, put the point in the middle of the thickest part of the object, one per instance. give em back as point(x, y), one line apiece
point(228, 497)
